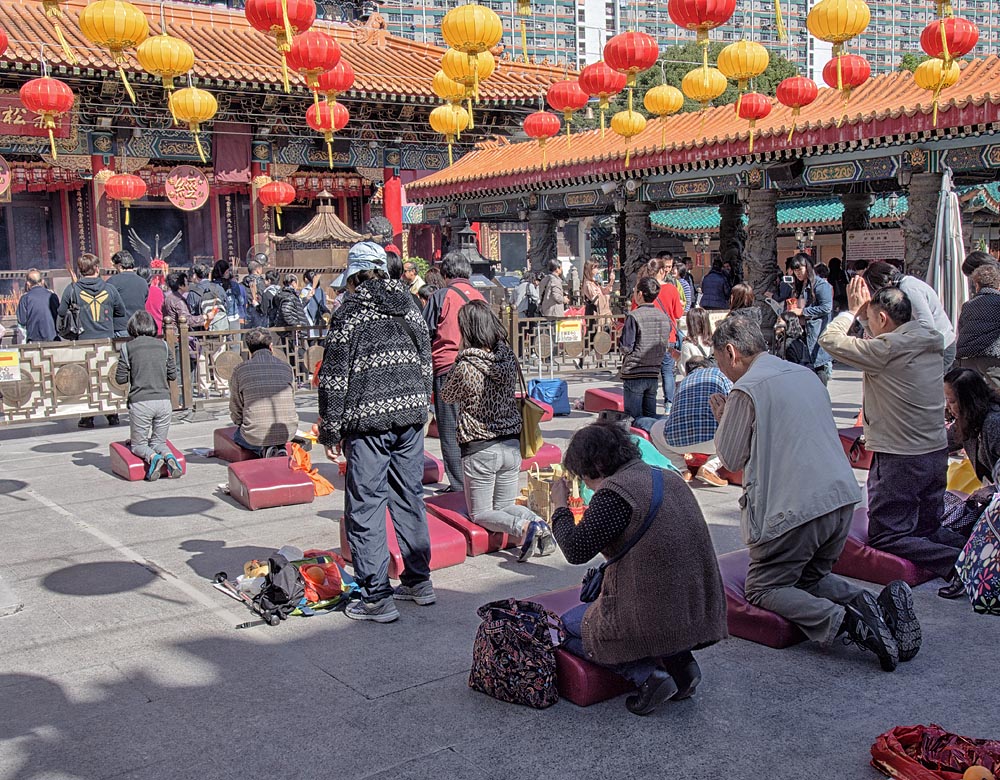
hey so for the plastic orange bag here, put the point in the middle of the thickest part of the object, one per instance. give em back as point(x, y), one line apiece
point(302, 462)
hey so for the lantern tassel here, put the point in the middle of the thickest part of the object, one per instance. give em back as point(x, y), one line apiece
point(630, 100)
point(791, 132)
point(739, 102)
point(52, 138)
point(62, 41)
point(752, 123)
point(287, 23)
point(472, 124)
point(128, 87)
point(945, 54)
point(127, 214)
point(545, 163)
point(329, 149)
point(451, 159)
point(937, 95)
point(628, 155)
point(779, 21)
point(170, 105)
point(474, 62)
point(568, 116)
point(663, 132)
point(524, 40)
point(197, 143)
point(704, 54)
point(284, 74)
point(840, 74)
point(277, 216)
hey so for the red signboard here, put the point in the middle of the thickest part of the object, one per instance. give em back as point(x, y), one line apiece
point(15, 119)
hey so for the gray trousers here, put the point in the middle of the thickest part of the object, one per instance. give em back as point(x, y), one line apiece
point(491, 486)
point(447, 423)
point(791, 576)
point(384, 471)
point(150, 424)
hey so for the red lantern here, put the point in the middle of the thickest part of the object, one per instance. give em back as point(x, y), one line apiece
point(541, 125)
point(49, 99)
point(126, 188)
point(276, 194)
point(327, 118)
point(796, 92)
point(754, 106)
point(700, 15)
point(601, 81)
point(4, 43)
point(282, 19)
point(847, 72)
point(312, 53)
point(949, 38)
point(336, 80)
point(631, 53)
point(567, 96)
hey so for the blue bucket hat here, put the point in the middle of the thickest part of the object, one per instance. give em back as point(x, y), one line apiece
point(365, 256)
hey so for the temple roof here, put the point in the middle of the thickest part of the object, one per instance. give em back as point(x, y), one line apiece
point(324, 228)
point(888, 106)
point(228, 49)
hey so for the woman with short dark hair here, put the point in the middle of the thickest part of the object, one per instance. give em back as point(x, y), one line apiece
point(483, 383)
point(147, 367)
point(663, 598)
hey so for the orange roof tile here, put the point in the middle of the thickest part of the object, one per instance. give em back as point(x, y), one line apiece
point(885, 106)
point(227, 48)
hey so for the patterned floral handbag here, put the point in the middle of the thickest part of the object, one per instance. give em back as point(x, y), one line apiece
point(979, 563)
point(513, 658)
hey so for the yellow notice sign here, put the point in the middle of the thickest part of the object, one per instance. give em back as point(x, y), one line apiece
point(568, 331)
point(10, 365)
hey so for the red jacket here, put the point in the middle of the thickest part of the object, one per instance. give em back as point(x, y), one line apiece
point(441, 315)
point(669, 302)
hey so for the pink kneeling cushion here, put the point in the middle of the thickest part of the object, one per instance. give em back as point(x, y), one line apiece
point(128, 466)
point(433, 470)
point(546, 458)
point(863, 562)
point(450, 509)
point(745, 620)
point(447, 545)
point(263, 483)
point(599, 399)
point(580, 681)
point(228, 450)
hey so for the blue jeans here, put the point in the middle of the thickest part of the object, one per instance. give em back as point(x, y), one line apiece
point(634, 671)
point(238, 438)
point(640, 396)
point(667, 375)
point(384, 472)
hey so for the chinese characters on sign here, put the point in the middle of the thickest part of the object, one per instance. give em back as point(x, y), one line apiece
point(569, 331)
point(15, 119)
point(187, 188)
point(873, 245)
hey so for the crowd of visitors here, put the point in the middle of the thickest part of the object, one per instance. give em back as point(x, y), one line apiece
point(397, 345)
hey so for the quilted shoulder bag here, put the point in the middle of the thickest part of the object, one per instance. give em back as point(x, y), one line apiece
point(513, 657)
point(978, 565)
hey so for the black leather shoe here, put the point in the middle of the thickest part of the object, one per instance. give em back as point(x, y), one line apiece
point(657, 688)
point(528, 545)
point(686, 674)
point(953, 590)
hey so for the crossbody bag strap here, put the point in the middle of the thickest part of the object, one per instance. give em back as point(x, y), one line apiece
point(654, 507)
point(409, 329)
point(465, 298)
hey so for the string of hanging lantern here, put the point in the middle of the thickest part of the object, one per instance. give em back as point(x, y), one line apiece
point(796, 92)
point(601, 81)
point(167, 58)
point(281, 20)
point(541, 125)
point(836, 22)
point(117, 26)
point(944, 40)
point(568, 97)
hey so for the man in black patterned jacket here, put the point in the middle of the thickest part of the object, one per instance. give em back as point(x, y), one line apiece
point(374, 389)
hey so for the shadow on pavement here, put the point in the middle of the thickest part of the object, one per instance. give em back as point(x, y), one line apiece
point(98, 579)
point(211, 556)
point(64, 446)
point(170, 506)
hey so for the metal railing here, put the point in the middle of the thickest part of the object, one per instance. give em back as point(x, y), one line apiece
point(77, 378)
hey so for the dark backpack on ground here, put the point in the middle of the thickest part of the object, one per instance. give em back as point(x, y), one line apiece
point(70, 324)
point(283, 589)
point(513, 658)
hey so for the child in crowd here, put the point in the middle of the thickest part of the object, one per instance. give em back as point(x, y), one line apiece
point(697, 342)
point(790, 340)
point(146, 365)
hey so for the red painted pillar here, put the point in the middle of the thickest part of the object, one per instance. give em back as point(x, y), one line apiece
point(392, 203)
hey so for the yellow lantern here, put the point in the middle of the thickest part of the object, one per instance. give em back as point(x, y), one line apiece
point(450, 121)
point(662, 101)
point(742, 61)
point(473, 30)
point(166, 57)
point(458, 67)
point(117, 26)
point(837, 21)
point(447, 88)
point(703, 85)
point(194, 107)
point(54, 13)
point(935, 75)
point(628, 124)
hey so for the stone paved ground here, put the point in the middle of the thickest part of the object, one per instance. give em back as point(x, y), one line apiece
point(124, 662)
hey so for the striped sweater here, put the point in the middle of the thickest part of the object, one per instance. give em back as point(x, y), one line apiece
point(376, 374)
